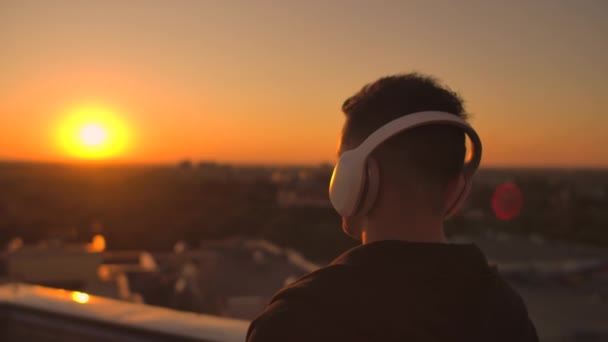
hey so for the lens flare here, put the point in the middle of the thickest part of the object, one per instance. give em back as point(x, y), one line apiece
point(507, 201)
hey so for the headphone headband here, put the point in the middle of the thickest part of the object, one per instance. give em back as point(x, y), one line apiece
point(349, 173)
point(411, 121)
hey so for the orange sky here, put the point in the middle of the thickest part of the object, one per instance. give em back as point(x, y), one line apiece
point(263, 82)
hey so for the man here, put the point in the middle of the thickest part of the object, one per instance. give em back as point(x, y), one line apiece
point(405, 282)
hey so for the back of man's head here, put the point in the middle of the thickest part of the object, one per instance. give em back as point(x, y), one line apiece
point(420, 162)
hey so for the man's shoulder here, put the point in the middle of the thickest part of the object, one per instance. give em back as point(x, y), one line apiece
point(302, 308)
point(325, 279)
point(505, 313)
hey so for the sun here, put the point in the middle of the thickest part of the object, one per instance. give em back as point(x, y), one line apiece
point(93, 133)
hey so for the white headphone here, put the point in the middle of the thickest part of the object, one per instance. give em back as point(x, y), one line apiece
point(355, 180)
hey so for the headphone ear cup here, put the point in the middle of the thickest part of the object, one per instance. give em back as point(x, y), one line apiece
point(347, 183)
point(372, 185)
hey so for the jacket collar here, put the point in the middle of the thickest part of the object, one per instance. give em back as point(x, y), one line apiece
point(427, 257)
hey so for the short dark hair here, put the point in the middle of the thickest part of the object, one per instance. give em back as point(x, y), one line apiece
point(433, 154)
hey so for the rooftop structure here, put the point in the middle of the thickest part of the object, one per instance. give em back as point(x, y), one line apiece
point(34, 313)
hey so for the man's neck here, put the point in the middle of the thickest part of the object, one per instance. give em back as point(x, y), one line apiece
point(430, 231)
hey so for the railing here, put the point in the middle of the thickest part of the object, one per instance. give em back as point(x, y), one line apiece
point(34, 313)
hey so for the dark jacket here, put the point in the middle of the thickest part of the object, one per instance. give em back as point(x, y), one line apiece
point(398, 291)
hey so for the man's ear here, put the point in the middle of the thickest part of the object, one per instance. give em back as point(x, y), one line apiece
point(352, 227)
point(453, 192)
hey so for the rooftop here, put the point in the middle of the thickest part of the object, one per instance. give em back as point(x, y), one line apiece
point(37, 313)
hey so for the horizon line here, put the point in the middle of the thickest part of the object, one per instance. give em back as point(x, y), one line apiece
point(196, 162)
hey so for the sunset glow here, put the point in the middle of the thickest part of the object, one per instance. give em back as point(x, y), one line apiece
point(245, 82)
point(93, 133)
